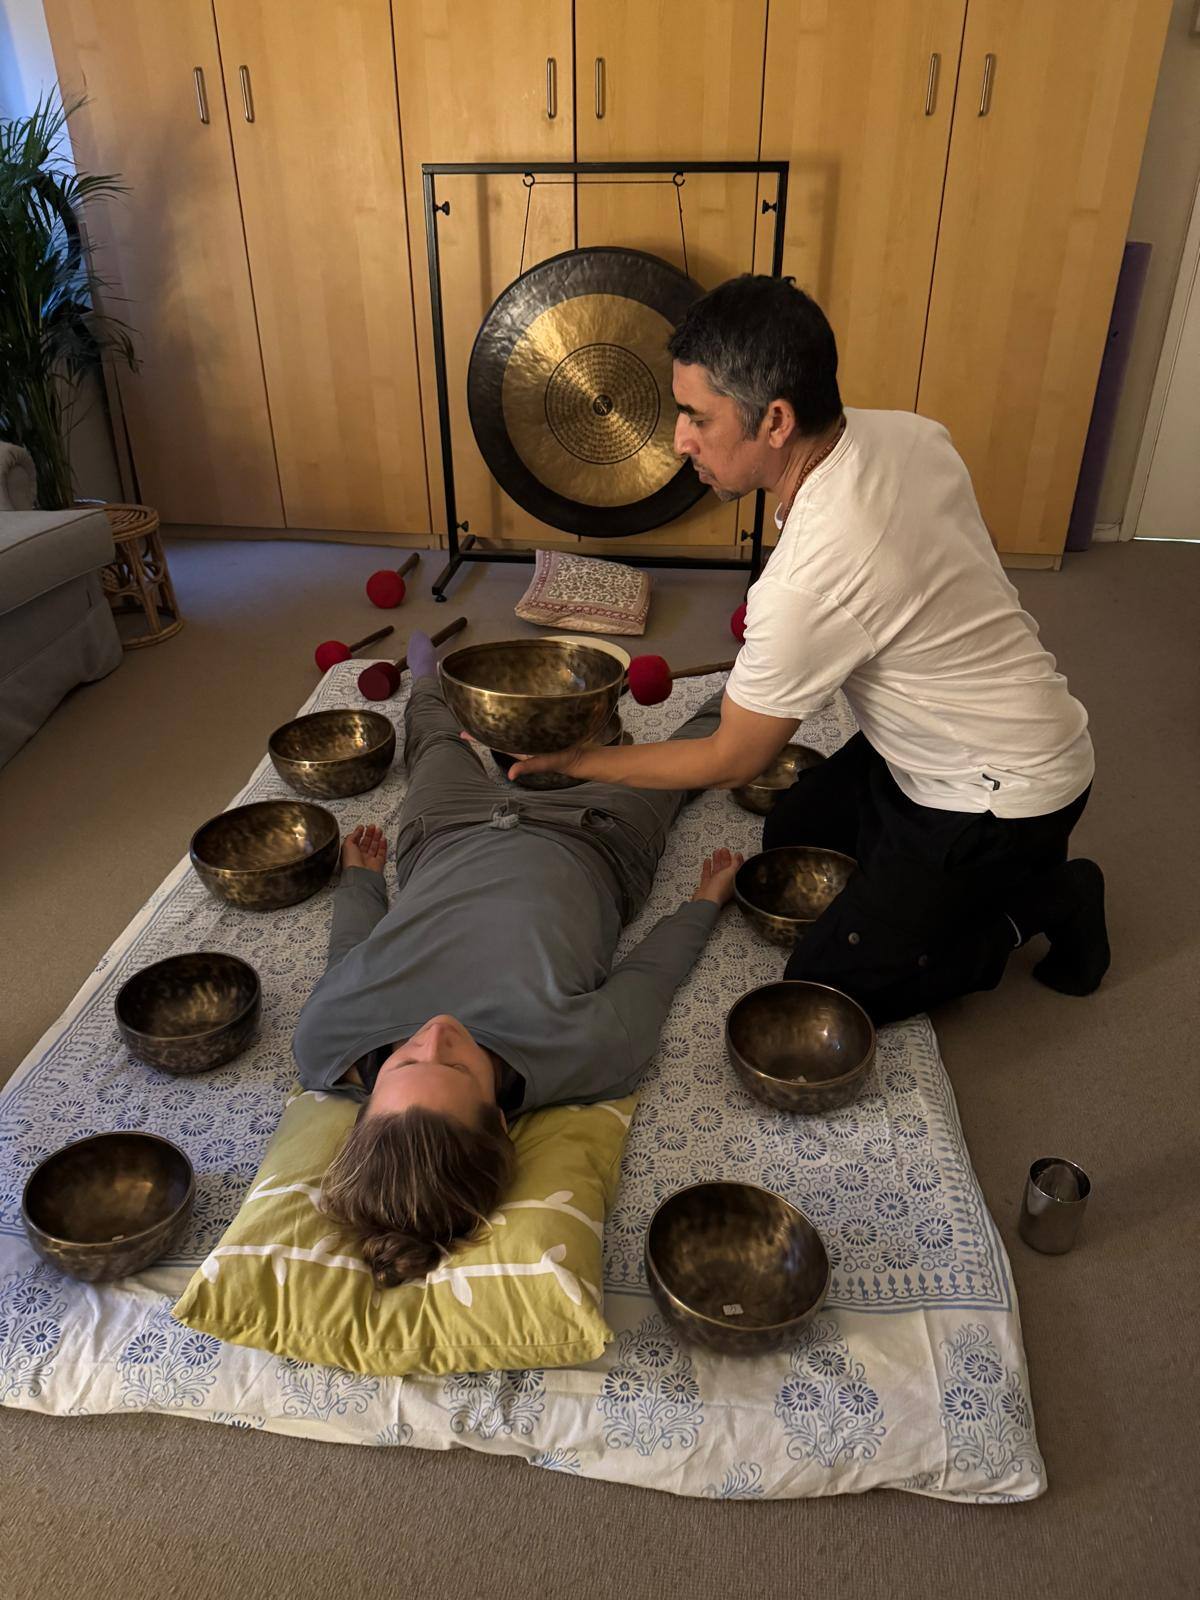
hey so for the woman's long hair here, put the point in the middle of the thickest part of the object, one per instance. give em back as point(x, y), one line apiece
point(413, 1184)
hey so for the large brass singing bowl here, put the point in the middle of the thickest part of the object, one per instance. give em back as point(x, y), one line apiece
point(535, 696)
point(107, 1206)
point(191, 1012)
point(332, 754)
point(269, 854)
point(761, 795)
point(800, 1046)
point(781, 892)
point(735, 1267)
point(611, 733)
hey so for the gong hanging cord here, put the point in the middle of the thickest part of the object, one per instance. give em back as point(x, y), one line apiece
point(530, 182)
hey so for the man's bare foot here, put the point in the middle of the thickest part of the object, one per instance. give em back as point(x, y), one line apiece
point(365, 847)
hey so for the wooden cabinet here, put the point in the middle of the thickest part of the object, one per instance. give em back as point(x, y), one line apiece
point(1053, 101)
point(481, 82)
point(173, 254)
point(681, 79)
point(312, 104)
point(858, 98)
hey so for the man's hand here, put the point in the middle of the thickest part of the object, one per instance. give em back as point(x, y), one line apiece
point(717, 875)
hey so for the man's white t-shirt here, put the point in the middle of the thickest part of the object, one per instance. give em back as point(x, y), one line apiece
point(885, 584)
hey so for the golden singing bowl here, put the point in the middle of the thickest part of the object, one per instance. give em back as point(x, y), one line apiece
point(269, 854)
point(780, 892)
point(611, 733)
point(107, 1206)
point(800, 1046)
point(191, 1012)
point(332, 754)
point(735, 1267)
point(761, 795)
point(536, 696)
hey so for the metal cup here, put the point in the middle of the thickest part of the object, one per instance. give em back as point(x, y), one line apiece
point(1056, 1197)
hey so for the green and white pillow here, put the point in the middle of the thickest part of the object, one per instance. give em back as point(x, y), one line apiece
point(287, 1278)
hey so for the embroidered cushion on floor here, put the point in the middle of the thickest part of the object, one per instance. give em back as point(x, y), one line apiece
point(288, 1278)
point(581, 592)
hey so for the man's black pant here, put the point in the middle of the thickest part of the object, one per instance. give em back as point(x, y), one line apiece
point(926, 916)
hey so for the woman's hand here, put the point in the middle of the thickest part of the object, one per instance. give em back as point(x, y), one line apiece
point(717, 875)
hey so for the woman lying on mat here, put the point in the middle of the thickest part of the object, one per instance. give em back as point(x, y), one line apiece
point(488, 988)
point(973, 763)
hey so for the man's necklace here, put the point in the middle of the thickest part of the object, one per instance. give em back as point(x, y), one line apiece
point(813, 465)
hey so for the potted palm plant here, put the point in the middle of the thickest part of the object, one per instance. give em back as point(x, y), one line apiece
point(52, 336)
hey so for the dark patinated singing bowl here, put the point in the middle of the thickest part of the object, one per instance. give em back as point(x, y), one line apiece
point(780, 892)
point(191, 1012)
point(107, 1206)
point(800, 1046)
point(535, 696)
point(761, 795)
point(735, 1267)
point(611, 733)
point(332, 754)
point(269, 854)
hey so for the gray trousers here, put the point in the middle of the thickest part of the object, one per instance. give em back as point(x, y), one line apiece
point(448, 790)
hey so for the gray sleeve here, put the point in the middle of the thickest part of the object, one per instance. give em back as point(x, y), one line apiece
point(359, 902)
point(642, 987)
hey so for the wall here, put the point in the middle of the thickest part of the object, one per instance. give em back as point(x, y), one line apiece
point(26, 72)
point(1162, 209)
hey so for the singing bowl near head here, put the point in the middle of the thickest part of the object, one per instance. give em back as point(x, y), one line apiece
point(189, 1013)
point(800, 1046)
point(735, 1267)
point(534, 696)
point(268, 854)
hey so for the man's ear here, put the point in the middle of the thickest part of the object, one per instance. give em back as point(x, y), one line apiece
point(781, 424)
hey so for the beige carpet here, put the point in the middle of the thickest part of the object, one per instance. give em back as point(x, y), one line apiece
point(100, 805)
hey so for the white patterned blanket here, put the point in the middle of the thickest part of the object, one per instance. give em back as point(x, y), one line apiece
point(913, 1376)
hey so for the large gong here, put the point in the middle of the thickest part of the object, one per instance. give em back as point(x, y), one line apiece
point(569, 392)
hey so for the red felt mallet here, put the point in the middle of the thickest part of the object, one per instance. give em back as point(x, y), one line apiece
point(737, 623)
point(381, 679)
point(386, 588)
point(649, 678)
point(333, 650)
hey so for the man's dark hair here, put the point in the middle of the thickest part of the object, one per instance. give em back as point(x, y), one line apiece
point(762, 339)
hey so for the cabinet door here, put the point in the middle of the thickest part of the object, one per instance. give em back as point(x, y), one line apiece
point(858, 99)
point(312, 104)
point(173, 255)
point(482, 82)
point(1053, 101)
point(681, 80)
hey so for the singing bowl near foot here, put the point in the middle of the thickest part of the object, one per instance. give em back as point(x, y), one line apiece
point(782, 892)
point(762, 794)
point(266, 855)
point(190, 1013)
point(107, 1206)
point(538, 696)
point(800, 1047)
point(735, 1267)
point(332, 754)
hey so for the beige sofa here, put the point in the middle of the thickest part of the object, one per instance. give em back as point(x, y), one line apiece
point(56, 628)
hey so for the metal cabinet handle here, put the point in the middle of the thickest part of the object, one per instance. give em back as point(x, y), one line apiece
point(931, 83)
point(985, 96)
point(599, 87)
point(551, 87)
point(247, 97)
point(201, 96)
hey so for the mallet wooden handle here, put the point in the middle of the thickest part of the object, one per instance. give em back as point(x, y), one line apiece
point(380, 633)
point(439, 637)
point(408, 566)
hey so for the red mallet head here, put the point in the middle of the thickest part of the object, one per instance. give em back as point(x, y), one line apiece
point(386, 588)
point(649, 680)
point(379, 681)
point(330, 653)
point(737, 623)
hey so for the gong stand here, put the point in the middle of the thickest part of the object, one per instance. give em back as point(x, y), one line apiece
point(466, 548)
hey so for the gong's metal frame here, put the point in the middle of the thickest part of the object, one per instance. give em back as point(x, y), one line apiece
point(465, 550)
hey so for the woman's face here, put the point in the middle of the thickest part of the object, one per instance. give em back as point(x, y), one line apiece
point(440, 1068)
